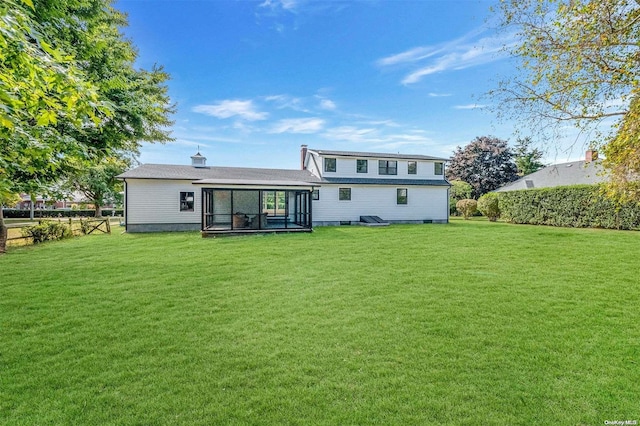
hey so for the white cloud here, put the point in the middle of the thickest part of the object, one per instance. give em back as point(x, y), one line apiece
point(327, 104)
point(298, 125)
point(232, 108)
point(279, 4)
point(464, 52)
point(351, 134)
point(469, 106)
point(387, 123)
point(286, 101)
point(411, 55)
point(439, 95)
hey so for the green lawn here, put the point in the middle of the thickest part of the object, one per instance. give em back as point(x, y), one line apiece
point(471, 323)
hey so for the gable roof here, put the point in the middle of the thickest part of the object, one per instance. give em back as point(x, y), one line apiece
point(376, 155)
point(573, 173)
point(181, 172)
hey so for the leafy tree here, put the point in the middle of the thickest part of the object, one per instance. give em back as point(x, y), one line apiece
point(40, 87)
point(69, 91)
point(459, 191)
point(486, 163)
point(139, 99)
point(578, 64)
point(527, 158)
point(623, 158)
point(98, 182)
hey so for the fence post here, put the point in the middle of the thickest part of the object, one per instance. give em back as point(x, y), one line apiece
point(108, 225)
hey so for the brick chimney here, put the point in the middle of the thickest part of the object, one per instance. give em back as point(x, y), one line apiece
point(590, 156)
point(303, 156)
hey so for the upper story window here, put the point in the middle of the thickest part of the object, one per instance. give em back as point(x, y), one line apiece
point(386, 167)
point(329, 164)
point(438, 168)
point(186, 201)
point(362, 166)
point(412, 167)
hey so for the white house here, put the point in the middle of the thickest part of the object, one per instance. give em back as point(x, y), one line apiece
point(331, 188)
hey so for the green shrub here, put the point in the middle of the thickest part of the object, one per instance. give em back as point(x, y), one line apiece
point(467, 207)
point(459, 191)
point(489, 206)
point(47, 231)
point(578, 206)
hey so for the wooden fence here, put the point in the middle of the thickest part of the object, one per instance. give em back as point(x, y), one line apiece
point(78, 226)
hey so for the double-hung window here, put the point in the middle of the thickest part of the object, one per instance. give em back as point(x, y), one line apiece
point(412, 167)
point(329, 164)
point(386, 167)
point(344, 194)
point(362, 166)
point(438, 168)
point(402, 196)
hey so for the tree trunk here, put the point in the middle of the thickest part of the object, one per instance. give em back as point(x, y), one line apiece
point(98, 209)
point(31, 207)
point(3, 233)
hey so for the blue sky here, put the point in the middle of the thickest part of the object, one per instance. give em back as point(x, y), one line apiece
point(253, 80)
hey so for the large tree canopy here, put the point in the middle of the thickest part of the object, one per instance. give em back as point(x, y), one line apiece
point(486, 163)
point(623, 157)
point(70, 94)
point(579, 64)
point(578, 59)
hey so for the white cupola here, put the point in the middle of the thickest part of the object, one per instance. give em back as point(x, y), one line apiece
point(198, 160)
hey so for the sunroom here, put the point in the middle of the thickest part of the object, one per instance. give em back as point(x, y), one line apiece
point(233, 207)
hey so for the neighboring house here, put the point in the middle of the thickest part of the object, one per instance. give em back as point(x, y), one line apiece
point(331, 188)
point(588, 171)
point(49, 203)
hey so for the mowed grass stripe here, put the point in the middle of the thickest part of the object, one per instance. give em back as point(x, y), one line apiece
point(466, 323)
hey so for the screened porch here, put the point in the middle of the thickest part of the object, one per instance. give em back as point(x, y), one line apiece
point(232, 210)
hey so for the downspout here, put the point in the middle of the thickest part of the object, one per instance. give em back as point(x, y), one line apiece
point(126, 206)
point(444, 176)
point(310, 197)
point(447, 204)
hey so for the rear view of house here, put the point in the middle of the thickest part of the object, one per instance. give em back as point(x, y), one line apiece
point(397, 188)
point(331, 188)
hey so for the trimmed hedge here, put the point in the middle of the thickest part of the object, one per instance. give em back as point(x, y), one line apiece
point(39, 214)
point(579, 206)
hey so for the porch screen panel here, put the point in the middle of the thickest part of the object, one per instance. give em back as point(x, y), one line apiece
point(303, 199)
point(221, 213)
point(207, 208)
point(246, 202)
